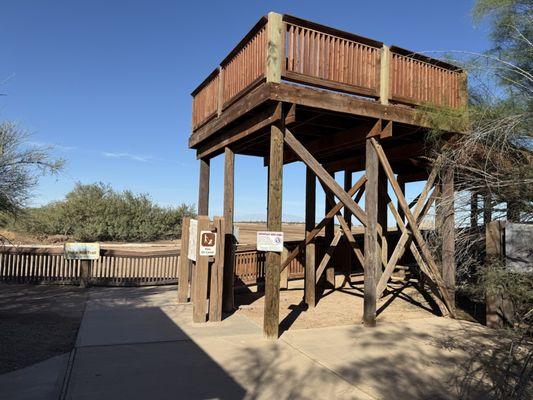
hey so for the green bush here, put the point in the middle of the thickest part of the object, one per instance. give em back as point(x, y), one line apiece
point(96, 212)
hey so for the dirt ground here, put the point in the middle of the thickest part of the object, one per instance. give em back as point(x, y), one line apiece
point(248, 230)
point(343, 306)
point(37, 322)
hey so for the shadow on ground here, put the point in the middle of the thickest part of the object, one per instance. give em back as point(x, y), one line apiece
point(37, 322)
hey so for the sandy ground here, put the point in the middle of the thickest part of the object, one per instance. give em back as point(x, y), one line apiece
point(37, 322)
point(343, 306)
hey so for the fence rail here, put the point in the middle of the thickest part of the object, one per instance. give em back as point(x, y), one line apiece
point(118, 267)
point(317, 55)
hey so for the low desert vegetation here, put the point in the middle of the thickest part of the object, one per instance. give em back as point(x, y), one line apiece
point(97, 212)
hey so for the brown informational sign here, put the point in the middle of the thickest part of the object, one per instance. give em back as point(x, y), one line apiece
point(208, 242)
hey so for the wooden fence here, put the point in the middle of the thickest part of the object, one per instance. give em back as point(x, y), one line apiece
point(317, 55)
point(117, 267)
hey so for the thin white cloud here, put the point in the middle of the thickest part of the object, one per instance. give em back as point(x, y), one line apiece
point(53, 146)
point(129, 156)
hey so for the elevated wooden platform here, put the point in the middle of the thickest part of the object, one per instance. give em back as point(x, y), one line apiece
point(294, 90)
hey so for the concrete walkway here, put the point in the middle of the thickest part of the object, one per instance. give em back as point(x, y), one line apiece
point(137, 343)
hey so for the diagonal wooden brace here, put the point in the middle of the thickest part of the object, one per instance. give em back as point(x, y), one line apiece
point(357, 188)
point(405, 236)
point(325, 260)
point(323, 176)
point(347, 232)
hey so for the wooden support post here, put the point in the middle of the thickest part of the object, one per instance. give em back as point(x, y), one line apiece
point(217, 272)
point(372, 251)
point(384, 91)
point(85, 273)
point(348, 219)
point(383, 200)
point(275, 48)
point(329, 233)
point(229, 238)
point(448, 233)
point(203, 187)
point(201, 276)
point(513, 211)
point(310, 251)
point(401, 184)
point(184, 265)
point(487, 208)
point(284, 277)
point(273, 260)
point(474, 211)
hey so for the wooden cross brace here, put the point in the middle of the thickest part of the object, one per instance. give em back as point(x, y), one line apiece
point(433, 270)
point(357, 188)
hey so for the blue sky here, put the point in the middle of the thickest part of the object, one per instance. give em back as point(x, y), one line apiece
point(108, 83)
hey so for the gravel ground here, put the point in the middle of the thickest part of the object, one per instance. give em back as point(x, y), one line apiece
point(37, 322)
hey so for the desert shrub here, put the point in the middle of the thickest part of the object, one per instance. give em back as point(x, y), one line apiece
point(96, 212)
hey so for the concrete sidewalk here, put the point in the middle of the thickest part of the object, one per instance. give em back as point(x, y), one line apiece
point(137, 343)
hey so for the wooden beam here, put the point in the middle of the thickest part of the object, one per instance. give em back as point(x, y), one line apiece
point(310, 251)
point(382, 226)
point(327, 257)
point(324, 176)
point(384, 91)
point(273, 260)
point(372, 252)
point(338, 102)
point(448, 232)
point(348, 219)
point(247, 103)
point(203, 187)
point(357, 187)
point(419, 213)
point(229, 239)
point(185, 264)
point(329, 233)
point(217, 272)
point(252, 125)
point(275, 48)
point(201, 276)
point(417, 256)
point(401, 184)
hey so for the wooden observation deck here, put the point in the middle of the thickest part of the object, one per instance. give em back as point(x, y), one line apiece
point(294, 90)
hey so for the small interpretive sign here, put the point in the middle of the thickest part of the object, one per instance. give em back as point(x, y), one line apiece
point(270, 241)
point(193, 231)
point(81, 251)
point(208, 242)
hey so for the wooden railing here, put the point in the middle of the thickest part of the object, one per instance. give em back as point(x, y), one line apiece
point(114, 267)
point(317, 55)
point(119, 267)
point(415, 79)
point(245, 65)
point(321, 56)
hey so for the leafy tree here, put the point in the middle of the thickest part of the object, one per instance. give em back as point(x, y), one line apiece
point(492, 162)
point(20, 167)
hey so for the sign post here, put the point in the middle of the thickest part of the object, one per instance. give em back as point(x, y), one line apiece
point(85, 252)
